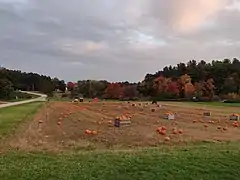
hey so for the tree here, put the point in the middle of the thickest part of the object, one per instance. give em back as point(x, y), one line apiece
point(160, 85)
point(189, 90)
point(173, 88)
point(183, 81)
point(208, 88)
point(114, 91)
point(70, 86)
point(130, 91)
point(59, 84)
point(6, 89)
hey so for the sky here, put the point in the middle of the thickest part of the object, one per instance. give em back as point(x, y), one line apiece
point(116, 40)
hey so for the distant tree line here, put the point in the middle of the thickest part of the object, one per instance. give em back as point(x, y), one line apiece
point(12, 80)
point(193, 80)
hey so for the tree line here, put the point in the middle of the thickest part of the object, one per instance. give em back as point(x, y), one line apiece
point(12, 80)
point(192, 80)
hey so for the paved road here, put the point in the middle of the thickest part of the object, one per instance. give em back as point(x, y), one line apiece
point(42, 97)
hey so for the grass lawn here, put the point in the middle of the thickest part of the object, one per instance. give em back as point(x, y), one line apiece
point(216, 104)
point(11, 117)
point(205, 162)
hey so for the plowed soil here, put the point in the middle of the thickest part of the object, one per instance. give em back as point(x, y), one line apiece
point(45, 133)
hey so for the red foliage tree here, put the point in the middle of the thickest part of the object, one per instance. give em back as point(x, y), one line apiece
point(173, 88)
point(70, 86)
point(114, 91)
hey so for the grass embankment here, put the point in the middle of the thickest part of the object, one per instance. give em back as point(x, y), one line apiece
point(11, 117)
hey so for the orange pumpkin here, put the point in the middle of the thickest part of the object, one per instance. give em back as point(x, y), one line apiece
point(163, 132)
point(87, 131)
point(235, 124)
point(94, 132)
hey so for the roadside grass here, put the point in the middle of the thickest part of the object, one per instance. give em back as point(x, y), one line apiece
point(11, 117)
point(205, 162)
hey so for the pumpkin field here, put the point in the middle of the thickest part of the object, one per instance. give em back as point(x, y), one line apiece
point(64, 126)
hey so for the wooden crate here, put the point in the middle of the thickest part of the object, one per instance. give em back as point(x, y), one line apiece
point(235, 117)
point(119, 123)
point(169, 116)
point(206, 113)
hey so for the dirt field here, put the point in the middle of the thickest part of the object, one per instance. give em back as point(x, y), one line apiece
point(61, 126)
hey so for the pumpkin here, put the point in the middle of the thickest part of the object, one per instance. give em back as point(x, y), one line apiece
point(235, 124)
point(225, 128)
point(94, 132)
point(167, 139)
point(163, 128)
point(180, 131)
point(87, 131)
point(175, 131)
point(40, 121)
point(162, 132)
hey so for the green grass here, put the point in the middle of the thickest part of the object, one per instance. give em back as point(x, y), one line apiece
point(205, 162)
point(216, 104)
point(11, 117)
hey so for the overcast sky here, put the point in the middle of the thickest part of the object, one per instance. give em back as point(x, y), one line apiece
point(115, 39)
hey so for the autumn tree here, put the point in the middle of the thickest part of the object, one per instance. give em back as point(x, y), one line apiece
point(208, 88)
point(184, 82)
point(160, 85)
point(173, 88)
point(114, 91)
point(70, 86)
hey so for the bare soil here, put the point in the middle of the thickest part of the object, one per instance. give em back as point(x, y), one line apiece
point(45, 133)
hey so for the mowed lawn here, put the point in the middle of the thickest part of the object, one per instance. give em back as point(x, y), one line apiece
point(209, 161)
point(217, 104)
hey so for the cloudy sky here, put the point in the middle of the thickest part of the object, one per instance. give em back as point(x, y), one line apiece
point(115, 39)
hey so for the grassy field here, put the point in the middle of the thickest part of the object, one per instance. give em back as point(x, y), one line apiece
point(205, 161)
point(216, 104)
point(11, 117)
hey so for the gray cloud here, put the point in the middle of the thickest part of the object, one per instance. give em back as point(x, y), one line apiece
point(115, 39)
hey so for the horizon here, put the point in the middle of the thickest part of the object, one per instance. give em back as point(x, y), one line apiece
point(108, 39)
